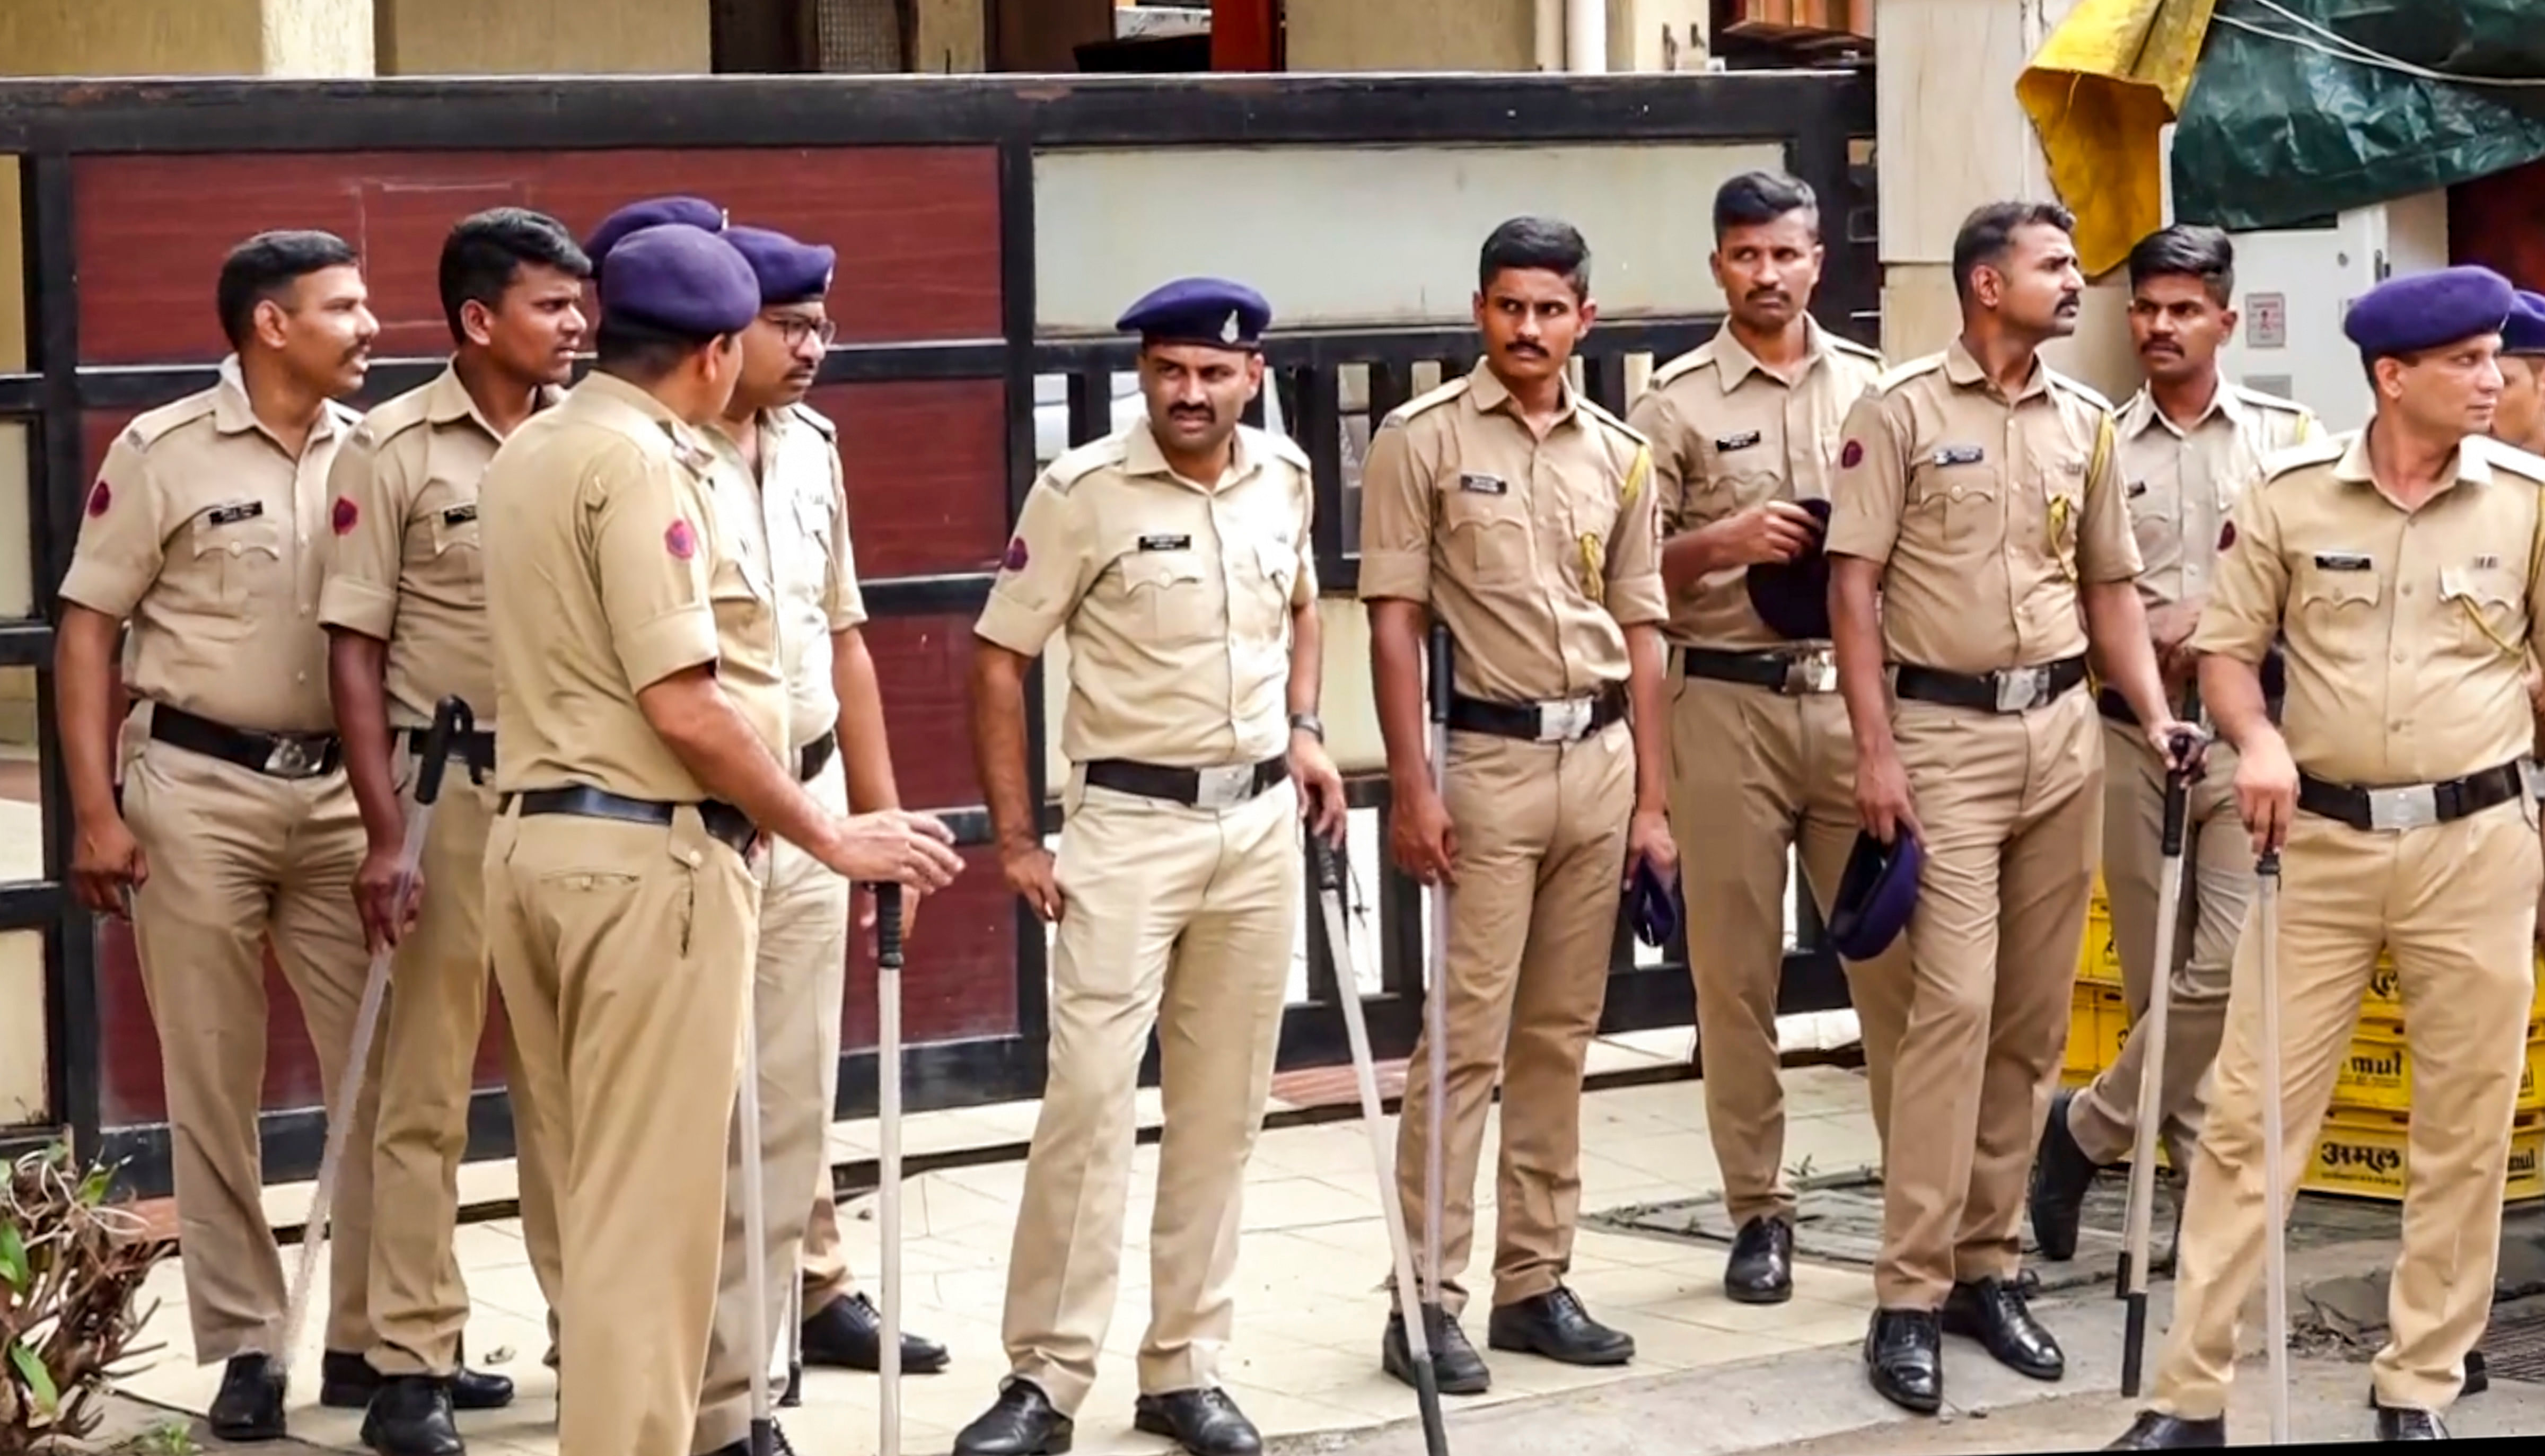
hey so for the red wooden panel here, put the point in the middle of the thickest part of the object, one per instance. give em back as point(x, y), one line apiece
point(916, 229)
point(2499, 222)
point(958, 977)
point(927, 469)
point(925, 664)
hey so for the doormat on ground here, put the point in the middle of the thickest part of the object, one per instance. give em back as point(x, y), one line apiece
point(1839, 1220)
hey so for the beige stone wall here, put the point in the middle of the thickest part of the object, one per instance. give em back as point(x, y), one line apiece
point(498, 37)
point(192, 37)
point(1412, 35)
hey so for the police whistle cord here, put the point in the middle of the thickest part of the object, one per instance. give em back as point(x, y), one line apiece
point(1435, 998)
point(2275, 1266)
point(888, 1171)
point(452, 720)
point(2132, 1278)
point(1417, 1338)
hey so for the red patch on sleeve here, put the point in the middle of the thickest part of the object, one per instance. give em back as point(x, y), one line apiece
point(2227, 535)
point(1851, 456)
point(1015, 560)
point(100, 497)
point(344, 517)
point(680, 541)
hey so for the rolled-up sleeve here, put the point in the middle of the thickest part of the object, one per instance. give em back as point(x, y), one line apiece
point(1872, 481)
point(1044, 576)
point(1633, 575)
point(2248, 593)
point(360, 592)
point(650, 555)
point(1395, 517)
point(122, 536)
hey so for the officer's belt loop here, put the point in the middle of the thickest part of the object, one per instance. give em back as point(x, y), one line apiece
point(724, 823)
point(273, 755)
point(2400, 807)
point(1222, 787)
point(1793, 672)
point(475, 750)
point(1564, 720)
point(816, 756)
point(2007, 690)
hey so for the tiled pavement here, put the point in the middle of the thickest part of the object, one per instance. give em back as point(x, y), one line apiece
point(1310, 1305)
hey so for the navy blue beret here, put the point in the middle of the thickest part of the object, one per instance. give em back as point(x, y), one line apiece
point(1199, 310)
point(2423, 310)
point(790, 272)
point(682, 279)
point(2525, 331)
point(637, 216)
point(1652, 906)
point(1792, 597)
point(1877, 894)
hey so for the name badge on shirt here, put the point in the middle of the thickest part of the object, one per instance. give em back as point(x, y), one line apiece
point(1165, 544)
point(459, 515)
point(2487, 563)
point(2343, 561)
point(1484, 485)
point(1741, 441)
point(1960, 455)
point(2137, 488)
point(234, 513)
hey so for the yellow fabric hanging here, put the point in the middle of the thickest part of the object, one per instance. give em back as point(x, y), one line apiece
point(2101, 92)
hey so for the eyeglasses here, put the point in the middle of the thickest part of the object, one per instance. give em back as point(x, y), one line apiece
point(796, 330)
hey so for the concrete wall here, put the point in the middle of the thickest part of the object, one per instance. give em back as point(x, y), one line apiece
point(1484, 35)
point(192, 37)
point(494, 37)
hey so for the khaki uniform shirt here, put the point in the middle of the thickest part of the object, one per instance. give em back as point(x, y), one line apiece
point(608, 570)
point(791, 518)
point(207, 535)
point(1174, 597)
point(1986, 512)
point(2407, 633)
point(405, 568)
point(2181, 483)
point(1535, 552)
point(1729, 433)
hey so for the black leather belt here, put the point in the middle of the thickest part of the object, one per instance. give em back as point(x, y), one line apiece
point(2275, 684)
point(275, 755)
point(1200, 789)
point(1568, 720)
point(2411, 805)
point(2008, 690)
point(1791, 672)
point(476, 750)
point(815, 757)
point(729, 824)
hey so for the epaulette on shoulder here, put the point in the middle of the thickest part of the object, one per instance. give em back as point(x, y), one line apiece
point(1423, 403)
point(820, 422)
point(1686, 364)
point(1076, 466)
point(1596, 411)
point(2260, 400)
point(393, 417)
point(1281, 446)
point(2078, 388)
point(1844, 345)
point(2320, 451)
point(1914, 369)
point(151, 426)
point(2517, 462)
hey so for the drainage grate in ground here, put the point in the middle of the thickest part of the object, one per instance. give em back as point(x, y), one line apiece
point(1839, 1220)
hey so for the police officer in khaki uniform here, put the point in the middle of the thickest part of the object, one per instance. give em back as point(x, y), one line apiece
point(1978, 494)
point(2521, 420)
point(2189, 443)
point(404, 606)
point(204, 533)
point(778, 479)
point(1174, 555)
point(1744, 428)
point(640, 721)
point(1524, 517)
point(2404, 567)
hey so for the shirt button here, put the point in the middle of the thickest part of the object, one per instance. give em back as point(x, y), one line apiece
point(301, 676)
point(2398, 657)
point(694, 858)
point(2405, 590)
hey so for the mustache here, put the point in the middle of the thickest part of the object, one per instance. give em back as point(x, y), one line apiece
point(1537, 348)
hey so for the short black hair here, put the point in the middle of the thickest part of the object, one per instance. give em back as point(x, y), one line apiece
point(1756, 199)
point(486, 252)
point(1536, 243)
point(639, 352)
point(265, 266)
point(1990, 231)
point(2187, 250)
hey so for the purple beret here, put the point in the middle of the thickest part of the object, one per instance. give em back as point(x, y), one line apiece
point(682, 281)
point(2423, 310)
point(790, 272)
point(637, 216)
point(1792, 597)
point(1199, 310)
point(2525, 333)
point(1877, 894)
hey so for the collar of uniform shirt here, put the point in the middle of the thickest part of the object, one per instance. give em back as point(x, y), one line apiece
point(1490, 393)
point(2474, 467)
point(1735, 363)
point(1142, 457)
point(450, 400)
point(2141, 413)
point(233, 413)
point(1965, 372)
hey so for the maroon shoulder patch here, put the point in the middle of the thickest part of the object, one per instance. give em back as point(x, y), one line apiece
point(1851, 456)
point(345, 516)
point(1015, 560)
point(680, 541)
point(2227, 535)
point(100, 497)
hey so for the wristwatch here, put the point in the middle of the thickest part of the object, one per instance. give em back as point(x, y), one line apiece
point(1307, 723)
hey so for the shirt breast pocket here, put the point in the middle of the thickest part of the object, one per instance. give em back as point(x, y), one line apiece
point(2340, 609)
point(810, 566)
point(2489, 607)
point(1956, 503)
point(458, 560)
point(1487, 537)
point(1167, 596)
point(241, 564)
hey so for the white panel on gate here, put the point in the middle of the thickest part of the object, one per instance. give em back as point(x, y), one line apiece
point(1371, 236)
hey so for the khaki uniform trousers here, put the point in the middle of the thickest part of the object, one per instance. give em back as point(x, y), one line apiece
point(2012, 805)
point(1532, 920)
point(1184, 920)
point(827, 1277)
point(797, 993)
point(2217, 891)
point(1754, 776)
point(2455, 904)
point(237, 857)
point(436, 1017)
point(625, 953)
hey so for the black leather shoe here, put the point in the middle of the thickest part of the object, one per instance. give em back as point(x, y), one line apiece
point(847, 1334)
point(410, 1416)
point(347, 1382)
point(1456, 1366)
point(1904, 1355)
point(1992, 1312)
point(1761, 1267)
point(1020, 1422)
point(2402, 1424)
point(1205, 1422)
point(2153, 1431)
point(249, 1406)
point(777, 1444)
point(1556, 1326)
point(2061, 1175)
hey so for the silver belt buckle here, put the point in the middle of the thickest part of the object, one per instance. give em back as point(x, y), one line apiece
point(2412, 806)
point(1563, 722)
point(291, 758)
point(1225, 787)
point(2021, 690)
point(1811, 671)
point(2531, 779)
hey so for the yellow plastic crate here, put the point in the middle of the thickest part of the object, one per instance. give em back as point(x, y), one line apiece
point(2377, 1074)
point(2098, 1022)
point(2361, 1153)
point(2098, 960)
point(2385, 996)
